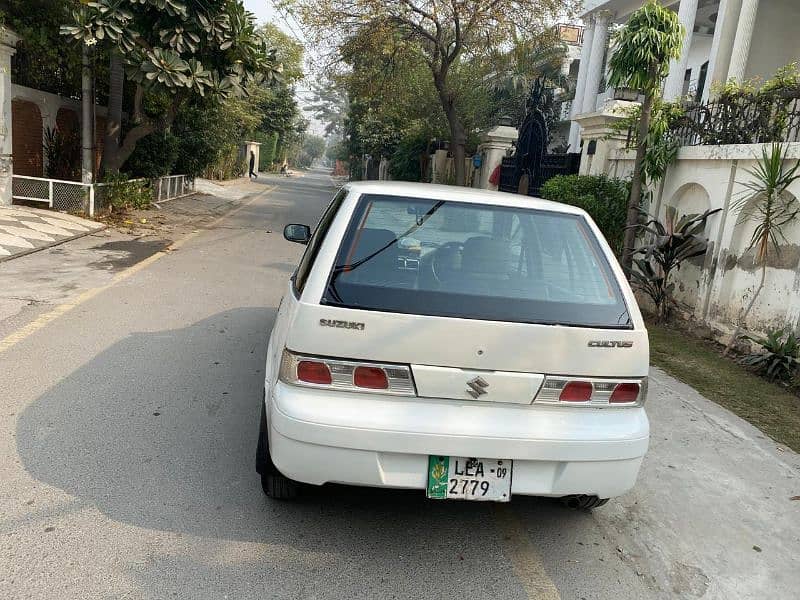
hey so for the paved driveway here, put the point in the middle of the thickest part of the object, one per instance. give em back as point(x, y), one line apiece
point(128, 419)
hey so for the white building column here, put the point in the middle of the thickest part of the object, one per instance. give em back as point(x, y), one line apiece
point(594, 72)
point(715, 61)
point(673, 88)
point(8, 42)
point(744, 36)
point(580, 87)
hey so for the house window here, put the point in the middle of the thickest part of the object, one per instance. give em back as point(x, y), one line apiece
point(687, 81)
point(701, 81)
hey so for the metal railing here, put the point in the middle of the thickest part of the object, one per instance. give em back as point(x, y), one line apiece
point(67, 196)
point(171, 186)
point(77, 197)
point(746, 119)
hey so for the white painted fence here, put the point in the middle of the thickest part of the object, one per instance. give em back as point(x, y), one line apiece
point(171, 186)
point(67, 196)
point(74, 196)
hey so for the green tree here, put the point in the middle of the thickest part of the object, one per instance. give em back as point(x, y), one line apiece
point(314, 147)
point(640, 57)
point(175, 48)
point(42, 61)
point(442, 31)
point(511, 72)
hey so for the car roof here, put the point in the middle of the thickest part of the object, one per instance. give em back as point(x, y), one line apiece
point(454, 193)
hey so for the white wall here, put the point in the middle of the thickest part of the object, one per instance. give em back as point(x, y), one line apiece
point(699, 53)
point(715, 288)
point(775, 40)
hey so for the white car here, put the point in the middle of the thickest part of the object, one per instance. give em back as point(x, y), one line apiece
point(470, 344)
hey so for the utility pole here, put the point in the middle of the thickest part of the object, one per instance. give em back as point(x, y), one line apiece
point(87, 116)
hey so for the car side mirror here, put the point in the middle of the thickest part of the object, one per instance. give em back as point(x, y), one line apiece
point(299, 234)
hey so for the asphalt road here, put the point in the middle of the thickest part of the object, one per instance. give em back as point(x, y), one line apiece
point(128, 424)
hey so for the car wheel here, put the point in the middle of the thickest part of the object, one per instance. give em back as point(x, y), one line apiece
point(273, 482)
point(583, 502)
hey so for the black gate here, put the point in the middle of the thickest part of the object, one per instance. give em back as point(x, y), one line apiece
point(526, 171)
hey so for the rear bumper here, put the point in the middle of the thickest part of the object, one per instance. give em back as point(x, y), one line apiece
point(360, 439)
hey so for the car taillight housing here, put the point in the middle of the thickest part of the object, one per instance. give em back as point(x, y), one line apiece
point(583, 391)
point(346, 375)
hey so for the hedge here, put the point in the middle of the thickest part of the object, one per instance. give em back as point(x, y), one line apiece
point(604, 198)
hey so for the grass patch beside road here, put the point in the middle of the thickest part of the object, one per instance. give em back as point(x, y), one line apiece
point(698, 363)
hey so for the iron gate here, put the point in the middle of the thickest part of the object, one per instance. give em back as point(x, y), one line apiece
point(531, 165)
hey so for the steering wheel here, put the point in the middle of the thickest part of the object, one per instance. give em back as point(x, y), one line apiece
point(447, 248)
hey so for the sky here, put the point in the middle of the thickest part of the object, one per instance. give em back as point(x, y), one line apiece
point(265, 13)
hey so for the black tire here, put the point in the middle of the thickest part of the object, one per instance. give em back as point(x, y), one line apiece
point(583, 502)
point(279, 487)
point(273, 482)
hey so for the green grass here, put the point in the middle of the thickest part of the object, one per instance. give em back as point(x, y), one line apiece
point(770, 407)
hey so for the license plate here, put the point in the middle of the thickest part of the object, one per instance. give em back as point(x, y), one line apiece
point(460, 478)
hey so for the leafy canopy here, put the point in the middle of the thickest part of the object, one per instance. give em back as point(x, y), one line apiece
point(209, 47)
point(643, 49)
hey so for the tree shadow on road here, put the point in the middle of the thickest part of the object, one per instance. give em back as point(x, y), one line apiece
point(159, 431)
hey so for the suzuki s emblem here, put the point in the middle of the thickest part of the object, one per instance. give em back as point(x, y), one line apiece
point(477, 387)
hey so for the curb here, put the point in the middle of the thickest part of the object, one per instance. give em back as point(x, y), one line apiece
point(52, 244)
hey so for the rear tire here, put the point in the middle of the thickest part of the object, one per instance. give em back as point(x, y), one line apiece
point(583, 502)
point(273, 482)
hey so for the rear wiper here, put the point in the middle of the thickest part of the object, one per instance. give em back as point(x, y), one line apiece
point(420, 222)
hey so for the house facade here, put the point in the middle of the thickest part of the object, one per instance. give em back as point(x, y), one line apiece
point(738, 40)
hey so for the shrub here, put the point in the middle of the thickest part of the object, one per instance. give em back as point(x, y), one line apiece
point(671, 242)
point(406, 160)
point(154, 156)
point(62, 149)
point(120, 193)
point(269, 150)
point(778, 358)
point(604, 198)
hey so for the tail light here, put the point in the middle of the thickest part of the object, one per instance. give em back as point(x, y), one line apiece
point(346, 375)
point(312, 371)
point(576, 391)
point(592, 392)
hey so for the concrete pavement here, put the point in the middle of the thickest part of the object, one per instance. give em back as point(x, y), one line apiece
point(24, 230)
point(127, 429)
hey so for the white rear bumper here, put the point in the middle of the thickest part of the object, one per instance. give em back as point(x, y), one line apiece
point(321, 436)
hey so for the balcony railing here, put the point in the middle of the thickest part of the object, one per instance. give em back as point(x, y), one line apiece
point(741, 119)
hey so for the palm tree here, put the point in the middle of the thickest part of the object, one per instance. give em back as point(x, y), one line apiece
point(771, 208)
point(514, 71)
point(642, 51)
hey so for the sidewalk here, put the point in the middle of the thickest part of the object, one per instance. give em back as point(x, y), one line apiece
point(41, 276)
point(24, 230)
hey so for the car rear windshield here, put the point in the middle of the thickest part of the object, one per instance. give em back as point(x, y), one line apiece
point(474, 261)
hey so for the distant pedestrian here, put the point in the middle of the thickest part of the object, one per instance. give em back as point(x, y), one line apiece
point(253, 165)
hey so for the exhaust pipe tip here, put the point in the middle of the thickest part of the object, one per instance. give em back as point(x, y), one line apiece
point(583, 501)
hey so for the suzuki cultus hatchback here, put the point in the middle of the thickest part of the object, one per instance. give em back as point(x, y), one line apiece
point(470, 344)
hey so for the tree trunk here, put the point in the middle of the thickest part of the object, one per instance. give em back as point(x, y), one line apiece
point(742, 317)
point(636, 185)
point(115, 161)
point(87, 117)
point(111, 138)
point(458, 137)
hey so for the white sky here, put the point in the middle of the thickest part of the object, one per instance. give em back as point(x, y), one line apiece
point(265, 13)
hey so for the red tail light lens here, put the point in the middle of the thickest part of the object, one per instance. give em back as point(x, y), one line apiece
point(314, 372)
point(576, 391)
point(373, 378)
point(625, 393)
point(346, 375)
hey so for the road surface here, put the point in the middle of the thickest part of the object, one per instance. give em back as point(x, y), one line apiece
point(128, 422)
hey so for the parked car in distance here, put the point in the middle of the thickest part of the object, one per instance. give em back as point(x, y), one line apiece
point(473, 345)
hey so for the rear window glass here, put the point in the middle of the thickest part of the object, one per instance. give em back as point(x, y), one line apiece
point(441, 258)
